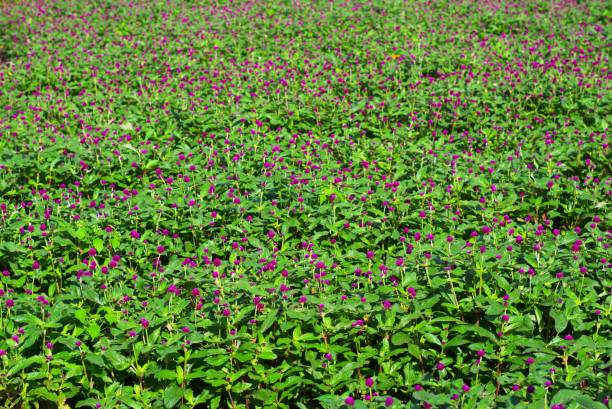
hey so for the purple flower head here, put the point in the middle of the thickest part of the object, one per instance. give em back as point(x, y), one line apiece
point(350, 401)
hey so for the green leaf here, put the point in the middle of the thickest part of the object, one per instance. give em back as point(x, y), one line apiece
point(217, 360)
point(400, 338)
point(267, 323)
point(98, 244)
point(571, 395)
point(560, 320)
point(265, 395)
point(93, 330)
point(267, 355)
point(43, 393)
point(344, 374)
point(432, 338)
point(241, 387)
point(172, 395)
point(95, 359)
point(87, 402)
point(81, 315)
point(25, 363)
point(117, 360)
point(165, 374)
point(456, 341)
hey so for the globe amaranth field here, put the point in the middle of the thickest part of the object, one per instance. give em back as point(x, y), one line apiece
point(305, 204)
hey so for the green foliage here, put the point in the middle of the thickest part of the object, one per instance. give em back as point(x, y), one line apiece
point(304, 204)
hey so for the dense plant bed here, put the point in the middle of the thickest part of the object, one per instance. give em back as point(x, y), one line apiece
point(305, 204)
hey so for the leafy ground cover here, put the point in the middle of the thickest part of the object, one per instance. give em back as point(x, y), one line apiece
point(305, 204)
